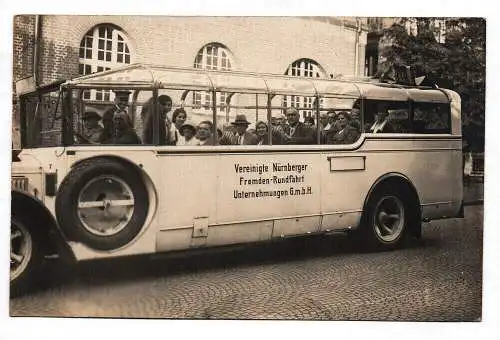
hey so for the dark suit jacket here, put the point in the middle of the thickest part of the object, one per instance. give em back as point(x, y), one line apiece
point(229, 138)
point(303, 135)
point(128, 137)
point(348, 135)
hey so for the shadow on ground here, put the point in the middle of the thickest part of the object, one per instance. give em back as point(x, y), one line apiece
point(142, 267)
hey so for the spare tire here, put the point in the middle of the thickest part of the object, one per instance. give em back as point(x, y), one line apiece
point(102, 203)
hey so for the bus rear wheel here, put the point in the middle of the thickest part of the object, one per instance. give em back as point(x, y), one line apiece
point(26, 256)
point(386, 220)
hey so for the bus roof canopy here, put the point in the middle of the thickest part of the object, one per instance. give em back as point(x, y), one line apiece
point(141, 76)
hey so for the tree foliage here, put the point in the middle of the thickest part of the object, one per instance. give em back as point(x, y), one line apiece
point(458, 62)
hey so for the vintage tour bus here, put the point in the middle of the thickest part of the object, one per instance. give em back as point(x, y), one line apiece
point(147, 159)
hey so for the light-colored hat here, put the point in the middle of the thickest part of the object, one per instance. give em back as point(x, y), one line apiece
point(187, 125)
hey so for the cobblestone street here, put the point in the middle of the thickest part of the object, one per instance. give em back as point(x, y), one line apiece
point(435, 279)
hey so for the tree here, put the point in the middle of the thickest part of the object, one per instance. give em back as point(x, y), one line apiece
point(449, 52)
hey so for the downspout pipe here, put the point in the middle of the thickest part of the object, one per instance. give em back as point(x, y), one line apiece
point(36, 52)
point(356, 47)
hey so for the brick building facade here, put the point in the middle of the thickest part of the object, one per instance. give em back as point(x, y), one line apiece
point(47, 48)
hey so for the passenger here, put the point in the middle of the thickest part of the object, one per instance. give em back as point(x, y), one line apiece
point(344, 133)
point(297, 132)
point(124, 133)
point(241, 136)
point(261, 130)
point(309, 121)
point(355, 121)
point(204, 133)
point(121, 102)
point(381, 121)
point(178, 118)
point(165, 105)
point(108, 130)
point(92, 130)
point(323, 120)
point(188, 132)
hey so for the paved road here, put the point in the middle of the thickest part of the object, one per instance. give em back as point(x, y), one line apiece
point(436, 279)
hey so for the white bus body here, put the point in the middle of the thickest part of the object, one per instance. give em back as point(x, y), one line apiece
point(221, 195)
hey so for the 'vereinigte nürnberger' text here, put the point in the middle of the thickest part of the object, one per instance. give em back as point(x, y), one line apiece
point(290, 177)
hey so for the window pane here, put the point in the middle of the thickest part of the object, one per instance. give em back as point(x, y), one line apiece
point(126, 49)
point(431, 118)
point(108, 45)
point(98, 95)
point(120, 47)
point(89, 41)
point(89, 54)
point(88, 69)
point(108, 56)
point(100, 55)
point(119, 58)
point(99, 68)
point(81, 69)
point(101, 44)
point(82, 53)
point(127, 59)
point(101, 32)
point(120, 37)
point(386, 117)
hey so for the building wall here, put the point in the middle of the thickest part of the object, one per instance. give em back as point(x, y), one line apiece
point(257, 44)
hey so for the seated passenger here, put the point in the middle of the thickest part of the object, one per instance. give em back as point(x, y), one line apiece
point(240, 136)
point(178, 118)
point(344, 133)
point(381, 123)
point(297, 132)
point(92, 130)
point(355, 121)
point(262, 133)
point(187, 131)
point(204, 133)
point(309, 121)
point(124, 133)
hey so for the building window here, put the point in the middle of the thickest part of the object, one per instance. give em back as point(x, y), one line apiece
point(214, 57)
point(102, 48)
point(303, 68)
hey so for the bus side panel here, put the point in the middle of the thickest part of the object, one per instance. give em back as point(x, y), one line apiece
point(187, 196)
point(271, 186)
point(432, 166)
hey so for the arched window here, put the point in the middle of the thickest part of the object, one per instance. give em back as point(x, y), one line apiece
point(102, 48)
point(303, 68)
point(213, 56)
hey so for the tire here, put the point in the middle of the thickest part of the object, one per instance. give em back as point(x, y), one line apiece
point(26, 256)
point(386, 220)
point(102, 203)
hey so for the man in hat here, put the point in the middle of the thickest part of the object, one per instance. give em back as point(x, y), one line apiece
point(121, 102)
point(241, 136)
point(92, 130)
point(297, 132)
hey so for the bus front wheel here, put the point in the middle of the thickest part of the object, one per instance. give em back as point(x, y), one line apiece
point(25, 256)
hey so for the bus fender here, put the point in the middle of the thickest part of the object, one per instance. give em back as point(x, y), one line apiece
point(398, 180)
point(54, 241)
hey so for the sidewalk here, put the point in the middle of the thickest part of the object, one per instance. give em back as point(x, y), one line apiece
point(473, 192)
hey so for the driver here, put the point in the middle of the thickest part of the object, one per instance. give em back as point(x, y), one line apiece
point(92, 130)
